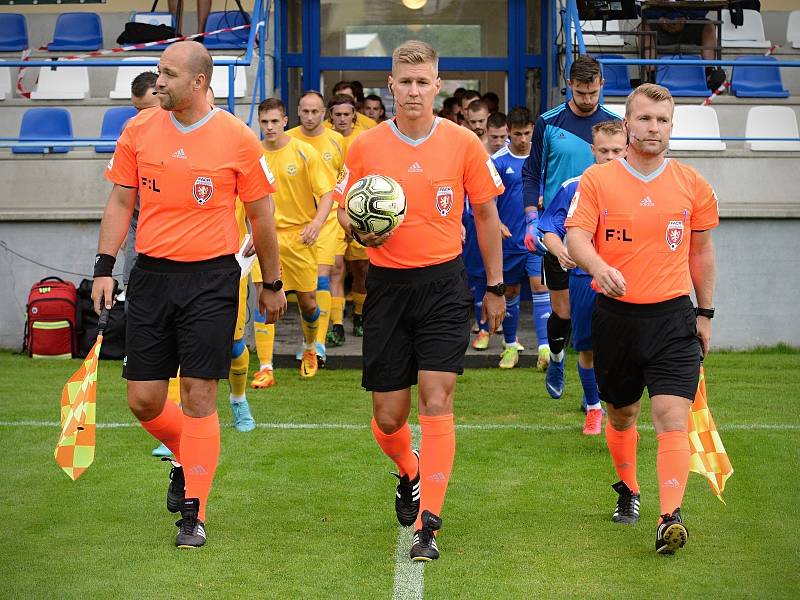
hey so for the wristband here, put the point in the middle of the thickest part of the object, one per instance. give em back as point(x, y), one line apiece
point(708, 313)
point(104, 265)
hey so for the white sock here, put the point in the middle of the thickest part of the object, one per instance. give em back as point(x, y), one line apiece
point(597, 406)
point(238, 399)
point(544, 347)
point(266, 366)
point(557, 357)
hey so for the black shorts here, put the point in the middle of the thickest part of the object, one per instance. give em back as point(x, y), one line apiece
point(638, 345)
point(553, 274)
point(414, 319)
point(181, 314)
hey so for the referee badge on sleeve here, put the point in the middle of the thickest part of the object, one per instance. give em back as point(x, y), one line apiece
point(674, 234)
point(341, 182)
point(573, 204)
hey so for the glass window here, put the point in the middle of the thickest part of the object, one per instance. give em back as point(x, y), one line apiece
point(294, 18)
point(375, 82)
point(533, 91)
point(376, 27)
point(294, 88)
point(534, 28)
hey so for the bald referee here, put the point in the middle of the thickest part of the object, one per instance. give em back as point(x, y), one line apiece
point(188, 161)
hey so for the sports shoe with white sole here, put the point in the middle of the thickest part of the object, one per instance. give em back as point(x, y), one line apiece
point(626, 511)
point(406, 501)
point(191, 530)
point(423, 547)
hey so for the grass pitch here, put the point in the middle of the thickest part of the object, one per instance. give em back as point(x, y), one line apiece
point(308, 513)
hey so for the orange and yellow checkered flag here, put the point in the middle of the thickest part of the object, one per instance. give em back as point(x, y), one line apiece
point(708, 456)
point(75, 448)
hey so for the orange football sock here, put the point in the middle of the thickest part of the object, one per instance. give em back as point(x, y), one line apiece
point(622, 446)
point(200, 454)
point(436, 452)
point(672, 464)
point(167, 427)
point(397, 446)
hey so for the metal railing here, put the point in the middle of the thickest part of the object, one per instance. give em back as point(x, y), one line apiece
point(259, 21)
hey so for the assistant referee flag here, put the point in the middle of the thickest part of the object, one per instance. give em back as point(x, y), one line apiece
point(75, 448)
point(708, 456)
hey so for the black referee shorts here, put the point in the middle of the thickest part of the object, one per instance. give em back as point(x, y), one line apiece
point(414, 319)
point(553, 274)
point(181, 314)
point(638, 345)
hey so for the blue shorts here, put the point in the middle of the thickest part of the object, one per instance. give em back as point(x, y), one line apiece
point(581, 303)
point(519, 267)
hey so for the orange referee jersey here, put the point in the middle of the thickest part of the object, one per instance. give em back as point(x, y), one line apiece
point(435, 173)
point(642, 225)
point(188, 180)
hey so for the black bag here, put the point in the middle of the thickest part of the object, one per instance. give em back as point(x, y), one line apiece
point(139, 33)
point(113, 347)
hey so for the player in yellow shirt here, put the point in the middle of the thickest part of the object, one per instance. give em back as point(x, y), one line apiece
point(330, 145)
point(299, 218)
point(348, 89)
point(342, 114)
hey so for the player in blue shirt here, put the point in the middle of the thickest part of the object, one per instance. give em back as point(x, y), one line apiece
point(561, 150)
point(518, 262)
point(609, 143)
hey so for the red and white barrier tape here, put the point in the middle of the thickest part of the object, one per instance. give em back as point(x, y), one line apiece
point(26, 53)
point(725, 86)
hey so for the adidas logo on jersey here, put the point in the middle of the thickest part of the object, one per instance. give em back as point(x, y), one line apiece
point(179, 153)
point(647, 201)
point(509, 170)
point(415, 168)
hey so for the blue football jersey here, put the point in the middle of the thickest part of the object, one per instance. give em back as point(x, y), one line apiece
point(509, 203)
point(471, 252)
point(553, 217)
point(560, 150)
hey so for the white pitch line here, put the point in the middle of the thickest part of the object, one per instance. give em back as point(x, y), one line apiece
point(409, 576)
point(461, 427)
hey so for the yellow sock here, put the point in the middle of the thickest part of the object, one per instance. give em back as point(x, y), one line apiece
point(310, 327)
point(324, 303)
point(265, 340)
point(337, 310)
point(238, 373)
point(174, 389)
point(358, 303)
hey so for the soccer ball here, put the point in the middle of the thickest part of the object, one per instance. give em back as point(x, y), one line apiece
point(375, 204)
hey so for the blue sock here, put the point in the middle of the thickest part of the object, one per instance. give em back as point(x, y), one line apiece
point(541, 312)
point(511, 320)
point(589, 384)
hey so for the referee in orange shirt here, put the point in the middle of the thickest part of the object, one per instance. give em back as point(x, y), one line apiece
point(188, 161)
point(417, 311)
point(641, 226)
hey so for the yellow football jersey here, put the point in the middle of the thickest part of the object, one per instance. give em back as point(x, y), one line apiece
point(329, 144)
point(350, 138)
point(301, 178)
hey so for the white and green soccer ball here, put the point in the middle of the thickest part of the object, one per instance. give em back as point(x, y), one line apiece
point(375, 204)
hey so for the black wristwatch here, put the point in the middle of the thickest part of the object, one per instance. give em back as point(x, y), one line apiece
point(275, 286)
point(497, 290)
point(708, 313)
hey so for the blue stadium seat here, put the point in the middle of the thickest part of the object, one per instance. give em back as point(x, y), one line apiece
point(758, 82)
point(618, 82)
point(13, 32)
point(114, 120)
point(49, 123)
point(231, 39)
point(77, 31)
point(683, 81)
